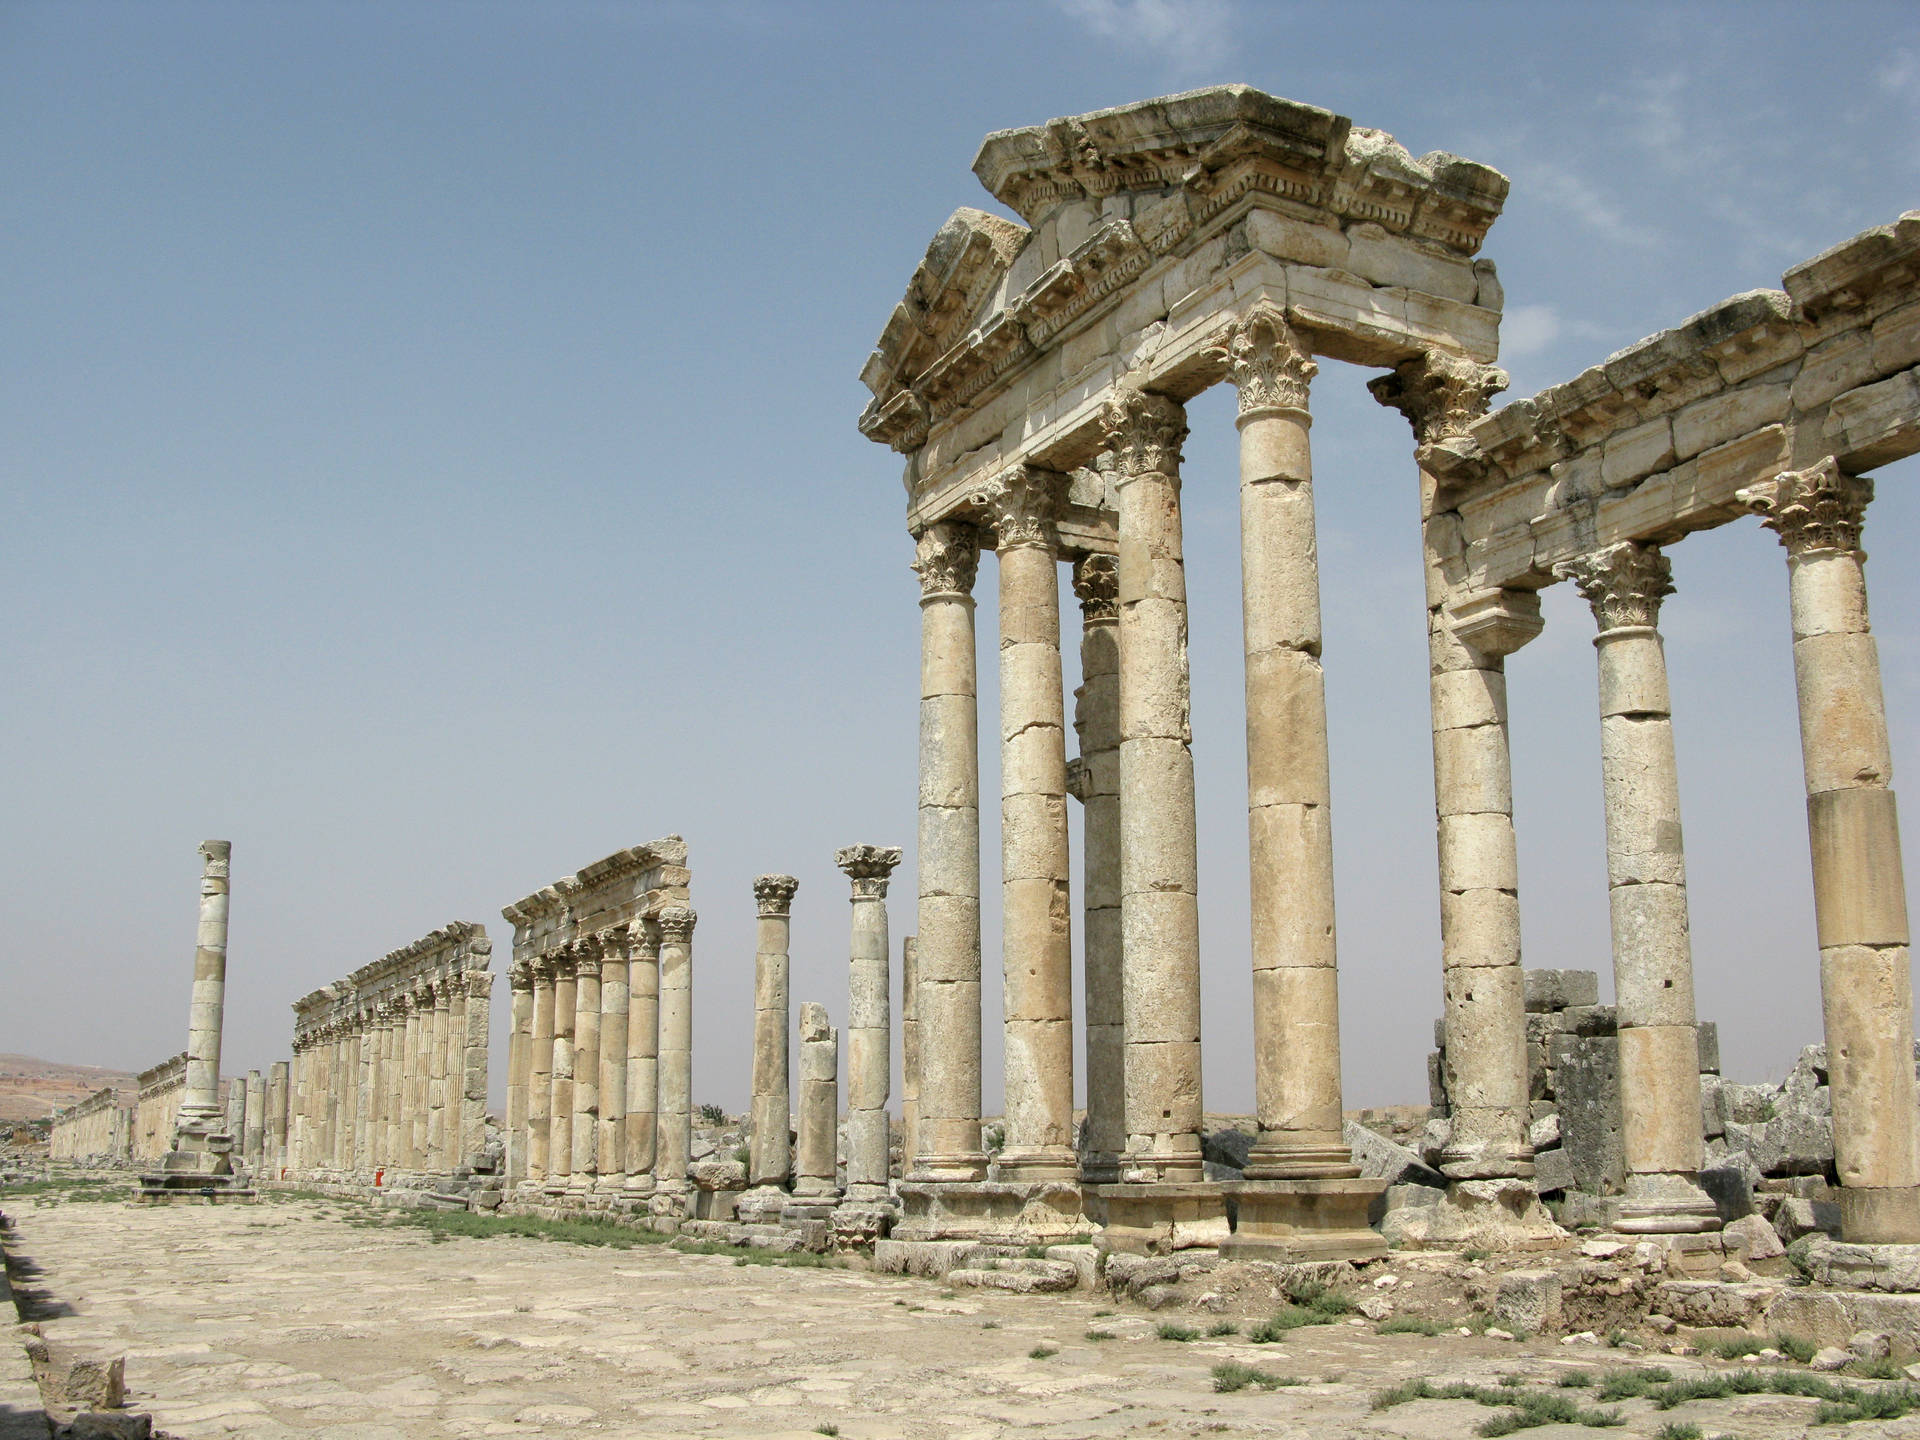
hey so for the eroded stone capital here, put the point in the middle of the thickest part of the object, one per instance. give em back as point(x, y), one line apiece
point(479, 984)
point(1269, 363)
point(1096, 580)
point(519, 976)
point(1820, 508)
point(1144, 433)
point(1025, 503)
point(868, 866)
point(1440, 394)
point(646, 940)
point(676, 924)
point(217, 856)
point(1623, 583)
point(946, 556)
point(773, 894)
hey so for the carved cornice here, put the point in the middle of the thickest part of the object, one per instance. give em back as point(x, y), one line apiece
point(868, 866)
point(1269, 363)
point(1144, 433)
point(1819, 508)
point(946, 557)
point(1440, 394)
point(1096, 580)
point(676, 924)
point(1025, 503)
point(1624, 583)
point(773, 895)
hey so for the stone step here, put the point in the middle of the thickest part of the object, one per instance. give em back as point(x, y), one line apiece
point(1021, 1276)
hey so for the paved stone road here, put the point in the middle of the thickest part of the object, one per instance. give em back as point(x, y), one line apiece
point(286, 1320)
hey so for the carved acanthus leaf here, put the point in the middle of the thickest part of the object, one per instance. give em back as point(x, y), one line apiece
point(1268, 362)
point(946, 556)
point(1440, 394)
point(868, 867)
point(1820, 508)
point(1096, 580)
point(1025, 503)
point(1144, 433)
point(1624, 583)
point(774, 894)
point(676, 924)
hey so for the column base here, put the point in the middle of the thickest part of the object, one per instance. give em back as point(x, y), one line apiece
point(1277, 1156)
point(1161, 1217)
point(1665, 1204)
point(1034, 1166)
point(1873, 1216)
point(1317, 1219)
point(955, 1167)
point(991, 1211)
point(857, 1223)
point(761, 1205)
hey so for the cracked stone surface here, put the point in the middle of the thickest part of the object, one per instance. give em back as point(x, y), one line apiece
point(286, 1319)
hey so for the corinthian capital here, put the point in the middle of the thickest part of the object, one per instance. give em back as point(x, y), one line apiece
point(868, 866)
point(946, 554)
point(1144, 433)
point(1025, 503)
point(217, 858)
point(1096, 580)
point(1623, 583)
point(773, 894)
point(676, 924)
point(479, 984)
point(1268, 363)
point(1821, 508)
point(1440, 394)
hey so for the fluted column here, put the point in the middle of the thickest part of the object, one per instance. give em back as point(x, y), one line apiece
point(909, 1051)
point(199, 1112)
point(1859, 888)
point(560, 1121)
point(643, 1057)
point(478, 1022)
point(1159, 907)
point(947, 556)
point(519, 1058)
point(586, 1065)
point(1646, 894)
point(770, 1158)
point(615, 1006)
point(676, 1047)
point(438, 1088)
point(1036, 910)
point(1094, 779)
point(1296, 1004)
point(1469, 638)
point(869, 1027)
point(540, 1071)
point(816, 1166)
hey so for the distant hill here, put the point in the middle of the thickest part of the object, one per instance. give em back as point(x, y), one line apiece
point(32, 1089)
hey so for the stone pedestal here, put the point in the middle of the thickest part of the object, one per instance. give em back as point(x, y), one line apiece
point(992, 1212)
point(1292, 1220)
point(1159, 1219)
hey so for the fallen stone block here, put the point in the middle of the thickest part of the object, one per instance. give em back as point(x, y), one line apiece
point(1832, 1317)
point(1528, 1301)
point(1894, 1268)
point(1381, 1159)
point(1715, 1303)
point(1756, 1239)
point(1020, 1277)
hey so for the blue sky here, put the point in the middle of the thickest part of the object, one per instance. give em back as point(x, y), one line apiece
point(430, 463)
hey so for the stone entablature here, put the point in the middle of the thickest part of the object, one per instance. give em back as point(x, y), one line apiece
point(1656, 441)
point(389, 1072)
point(1154, 227)
point(160, 1090)
point(100, 1127)
point(600, 1078)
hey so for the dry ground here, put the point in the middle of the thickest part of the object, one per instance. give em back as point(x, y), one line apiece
point(298, 1317)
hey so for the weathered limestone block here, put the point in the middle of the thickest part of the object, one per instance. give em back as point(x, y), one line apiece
point(1587, 1083)
point(1528, 1301)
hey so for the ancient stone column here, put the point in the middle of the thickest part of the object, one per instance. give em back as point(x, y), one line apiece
point(296, 1104)
point(676, 1048)
point(278, 1077)
point(421, 1037)
point(519, 1059)
point(770, 1158)
point(453, 1062)
point(256, 1132)
point(1159, 908)
point(817, 1164)
point(473, 1061)
point(347, 1080)
point(393, 1062)
point(438, 1088)
point(586, 1065)
point(560, 1122)
point(199, 1114)
point(614, 1008)
point(236, 1116)
point(947, 556)
point(1096, 781)
point(1296, 1004)
point(643, 1057)
point(540, 1071)
point(909, 1051)
point(322, 1094)
point(1037, 925)
point(1859, 890)
point(376, 1137)
point(1469, 639)
point(363, 1100)
point(869, 1027)
point(1646, 894)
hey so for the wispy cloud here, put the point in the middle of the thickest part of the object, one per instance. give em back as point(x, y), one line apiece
point(1588, 204)
point(1192, 37)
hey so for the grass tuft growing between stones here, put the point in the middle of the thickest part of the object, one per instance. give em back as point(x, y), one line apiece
point(1170, 1330)
point(1525, 1409)
point(1677, 1430)
point(1232, 1375)
point(467, 1225)
point(1043, 1352)
point(1409, 1325)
